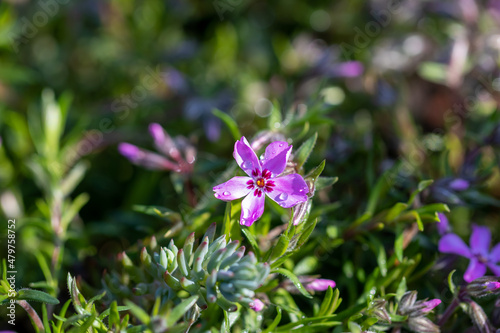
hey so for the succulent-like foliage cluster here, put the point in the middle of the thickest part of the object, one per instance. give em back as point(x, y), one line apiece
point(216, 270)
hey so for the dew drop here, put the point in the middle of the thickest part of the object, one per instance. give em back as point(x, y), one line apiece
point(281, 145)
point(246, 165)
point(226, 193)
point(282, 197)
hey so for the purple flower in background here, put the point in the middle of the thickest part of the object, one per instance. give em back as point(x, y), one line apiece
point(478, 252)
point(200, 108)
point(319, 284)
point(287, 191)
point(172, 159)
point(459, 184)
point(443, 225)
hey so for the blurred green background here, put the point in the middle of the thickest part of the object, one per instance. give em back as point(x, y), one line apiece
point(409, 82)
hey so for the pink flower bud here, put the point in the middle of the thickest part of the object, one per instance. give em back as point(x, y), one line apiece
point(430, 305)
point(320, 284)
point(257, 305)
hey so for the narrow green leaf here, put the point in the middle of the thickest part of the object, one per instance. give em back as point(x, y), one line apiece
point(395, 211)
point(380, 252)
point(280, 248)
point(421, 186)
point(323, 182)
point(325, 305)
point(231, 124)
point(36, 295)
point(180, 309)
point(114, 316)
point(398, 243)
point(452, 286)
point(302, 154)
point(418, 220)
point(401, 289)
point(138, 312)
point(275, 322)
point(226, 223)
point(433, 208)
point(163, 212)
point(252, 241)
point(85, 326)
point(275, 117)
point(294, 279)
point(316, 172)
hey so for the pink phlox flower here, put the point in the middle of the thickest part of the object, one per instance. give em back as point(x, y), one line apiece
point(478, 253)
point(263, 180)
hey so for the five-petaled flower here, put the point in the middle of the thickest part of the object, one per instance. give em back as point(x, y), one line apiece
point(264, 178)
point(478, 252)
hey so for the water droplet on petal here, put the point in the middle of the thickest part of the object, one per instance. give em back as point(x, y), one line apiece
point(282, 197)
point(246, 165)
point(226, 193)
point(281, 145)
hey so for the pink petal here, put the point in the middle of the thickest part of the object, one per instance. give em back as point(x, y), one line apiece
point(494, 256)
point(494, 268)
point(289, 190)
point(245, 156)
point(475, 270)
point(451, 243)
point(480, 240)
point(320, 284)
point(252, 208)
point(276, 156)
point(233, 189)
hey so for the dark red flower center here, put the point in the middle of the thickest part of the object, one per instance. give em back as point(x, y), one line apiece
point(261, 182)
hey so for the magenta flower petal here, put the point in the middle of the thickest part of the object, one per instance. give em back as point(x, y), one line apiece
point(320, 284)
point(480, 240)
point(276, 156)
point(245, 156)
point(494, 256)
point(475, 270)
point(252, 208)
point(451, 243)
point(234, 188)
point(290, 190)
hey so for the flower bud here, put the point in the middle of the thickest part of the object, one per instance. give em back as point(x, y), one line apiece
point(257, 305)
point(484, 286)
point(320, 284)
point(422, 324)
point(479, 317)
